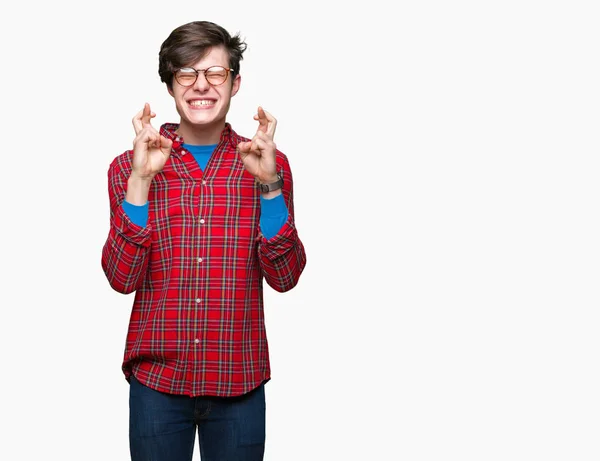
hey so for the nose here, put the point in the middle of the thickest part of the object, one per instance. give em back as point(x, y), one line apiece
point(201, 84)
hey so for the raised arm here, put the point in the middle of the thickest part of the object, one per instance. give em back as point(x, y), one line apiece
point(282, 257)
point(126, 252)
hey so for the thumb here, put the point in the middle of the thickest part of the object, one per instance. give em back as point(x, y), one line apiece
point(243, 149)
point(244, 146)
point(166, 144)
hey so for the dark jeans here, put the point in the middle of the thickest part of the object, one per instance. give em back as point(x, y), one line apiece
point(162, 427)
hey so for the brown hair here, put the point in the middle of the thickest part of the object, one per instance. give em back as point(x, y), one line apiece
point(190, 42)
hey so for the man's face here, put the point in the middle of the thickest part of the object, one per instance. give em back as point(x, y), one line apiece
point(202, 103)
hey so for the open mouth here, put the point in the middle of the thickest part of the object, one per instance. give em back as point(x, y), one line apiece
point(201, 103)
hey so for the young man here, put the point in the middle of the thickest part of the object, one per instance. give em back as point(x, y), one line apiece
point(199, 215)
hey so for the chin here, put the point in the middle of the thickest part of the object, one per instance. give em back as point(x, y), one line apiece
point(199, 120)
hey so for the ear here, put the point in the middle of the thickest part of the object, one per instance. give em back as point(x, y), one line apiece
point(170, 91)
point(236, 85)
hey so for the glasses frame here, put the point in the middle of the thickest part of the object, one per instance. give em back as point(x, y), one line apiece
point(204, 71)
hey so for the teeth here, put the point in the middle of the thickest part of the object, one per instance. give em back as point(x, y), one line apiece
point(203, 102)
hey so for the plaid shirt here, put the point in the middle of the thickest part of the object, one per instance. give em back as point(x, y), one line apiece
point(197, 323)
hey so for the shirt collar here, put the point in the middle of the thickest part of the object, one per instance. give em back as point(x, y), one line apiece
point(168, 130)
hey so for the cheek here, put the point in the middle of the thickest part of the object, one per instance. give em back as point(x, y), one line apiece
point(180, 101)
point(226, 96)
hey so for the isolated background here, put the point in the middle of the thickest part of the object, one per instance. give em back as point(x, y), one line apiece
point(445, 157)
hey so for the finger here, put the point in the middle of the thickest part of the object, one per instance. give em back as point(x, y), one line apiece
point(154, 140)
point(263, 122)
point(142, 136)
point(258, 141)
point(243, 149)
point(137, 122)
point(243, 146)
point(267, 140)
point(259, 146)
point(142, 118)
point(147, 115)
point(166, 145)
point(165, 142)
point(271, 124)
point(144, 139)
point(262, 135)
point(150, 136)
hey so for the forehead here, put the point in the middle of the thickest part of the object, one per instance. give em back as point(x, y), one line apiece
point(216, 56)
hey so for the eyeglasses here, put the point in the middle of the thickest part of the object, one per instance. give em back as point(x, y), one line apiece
point(215, 75)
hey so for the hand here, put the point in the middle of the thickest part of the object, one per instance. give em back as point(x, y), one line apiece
point(150, 149)
point(258, 155)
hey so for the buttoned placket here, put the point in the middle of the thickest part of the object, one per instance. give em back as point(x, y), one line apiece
point(201, 221)
point(196, 340)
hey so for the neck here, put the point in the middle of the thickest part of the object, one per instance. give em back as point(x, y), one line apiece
point(203, 135)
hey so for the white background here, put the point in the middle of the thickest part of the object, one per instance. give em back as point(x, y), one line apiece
point(445, 157)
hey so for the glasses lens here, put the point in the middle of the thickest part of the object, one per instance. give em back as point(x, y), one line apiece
point(216, 75)
point(185, 77)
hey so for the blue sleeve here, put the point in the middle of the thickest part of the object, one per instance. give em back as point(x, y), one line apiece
point(273, 215)
point(137, 213)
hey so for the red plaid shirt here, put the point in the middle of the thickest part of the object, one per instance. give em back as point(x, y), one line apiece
point(197, 323)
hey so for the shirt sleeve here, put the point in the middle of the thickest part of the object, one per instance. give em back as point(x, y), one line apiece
point(282, 257)
point(126, 252)
point(137, 213)
point(273, 215)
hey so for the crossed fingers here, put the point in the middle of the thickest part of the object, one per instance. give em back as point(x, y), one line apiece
point(266, 122)
point(142, 119)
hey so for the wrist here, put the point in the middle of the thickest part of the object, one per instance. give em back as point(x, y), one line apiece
point(267, 179)
point(141, 179)
point(137, 190)
point(271, 186)
point(270, 195)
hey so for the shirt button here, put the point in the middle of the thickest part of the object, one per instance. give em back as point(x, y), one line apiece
point(198, 300)
point(204, 182)
point(199, 260)
point(201, 221)
point(197, 341)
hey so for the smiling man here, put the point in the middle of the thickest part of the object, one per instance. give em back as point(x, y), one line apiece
point(199, 217)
